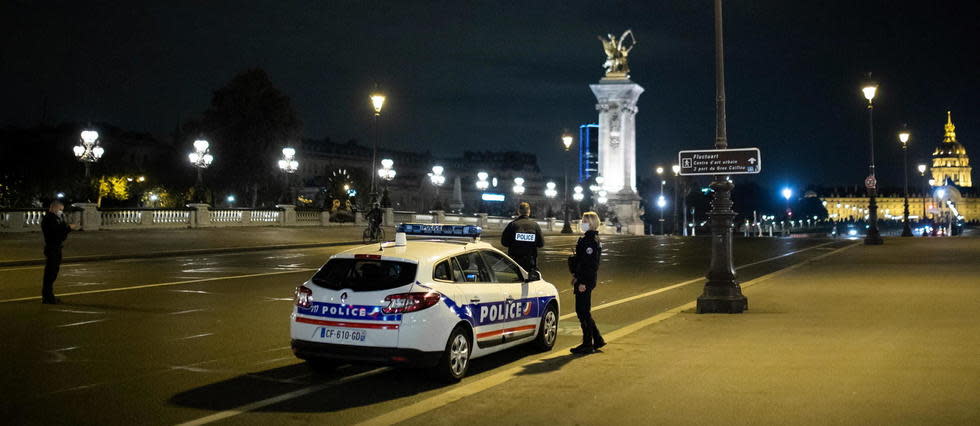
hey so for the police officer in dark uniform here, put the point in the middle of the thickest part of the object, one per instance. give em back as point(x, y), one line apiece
point(55, 230)
point(585, 270)
point(522, 237)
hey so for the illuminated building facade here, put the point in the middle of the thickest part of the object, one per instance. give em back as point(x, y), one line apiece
point(588, 152)
point(950, 163)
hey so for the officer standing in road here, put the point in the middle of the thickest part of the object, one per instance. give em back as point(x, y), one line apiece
point(55, 230)
point(585, 269)
point(522, 237)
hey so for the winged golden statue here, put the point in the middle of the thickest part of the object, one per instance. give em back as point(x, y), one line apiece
point(617, 52)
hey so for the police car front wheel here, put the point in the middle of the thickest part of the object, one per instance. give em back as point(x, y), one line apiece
point(456, 359)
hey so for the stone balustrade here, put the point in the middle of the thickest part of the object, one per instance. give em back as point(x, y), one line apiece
point(91, 218)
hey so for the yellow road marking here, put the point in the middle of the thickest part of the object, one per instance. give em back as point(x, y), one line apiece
point(167, 284)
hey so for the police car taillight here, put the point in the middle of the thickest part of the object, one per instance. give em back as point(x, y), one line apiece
point(409, 302)
point(303, 297)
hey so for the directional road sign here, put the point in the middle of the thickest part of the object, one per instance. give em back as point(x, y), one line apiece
point(740, 161)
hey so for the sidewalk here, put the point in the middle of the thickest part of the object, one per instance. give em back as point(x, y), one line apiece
point(26, 248)
point(869, 335)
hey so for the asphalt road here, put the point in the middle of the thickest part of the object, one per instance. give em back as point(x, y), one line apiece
point(205, 338)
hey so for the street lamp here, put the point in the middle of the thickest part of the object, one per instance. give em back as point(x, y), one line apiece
point(676, 168)
point(566, 140)
point(787, 194)
point(518, 185)
point(721, 294)
point(201, 158)
point(386, 173)
point(481, 183)
point(437, 179)
point(288, 165)
point(903, 138)
point(88, 152)
point(873, 237)
point(600, 189)
point(377, 101)
point(661, 203)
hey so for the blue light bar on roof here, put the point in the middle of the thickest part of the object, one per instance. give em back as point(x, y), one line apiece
point(436, 229)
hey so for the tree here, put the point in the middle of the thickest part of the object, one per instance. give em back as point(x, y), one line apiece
point(248, 123)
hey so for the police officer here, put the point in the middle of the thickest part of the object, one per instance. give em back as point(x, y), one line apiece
point(585, 269)
point(55, 230)
point(522, 237)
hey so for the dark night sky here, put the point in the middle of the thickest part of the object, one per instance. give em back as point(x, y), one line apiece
point(510, 75)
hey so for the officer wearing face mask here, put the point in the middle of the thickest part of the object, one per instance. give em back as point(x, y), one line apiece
point(55, 230)
point(522, 237)
point(584, 266)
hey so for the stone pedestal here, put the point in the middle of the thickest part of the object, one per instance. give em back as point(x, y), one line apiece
point(91, 219)
point(200, 215)
point(617, 109)
point(287, 217)
point(388, 218)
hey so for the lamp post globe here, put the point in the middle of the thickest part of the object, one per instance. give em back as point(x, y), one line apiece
point(387, 174)
point(566, 141)
point(377, 103)
point(437, 179)
point(201, 159)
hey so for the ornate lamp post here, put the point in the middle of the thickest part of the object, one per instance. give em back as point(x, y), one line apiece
point(661, 203)
point(550, 191)
point(518, 186)
point(288, 165)
point(566, 140)
point(922, 174)
point(201, 158)
point(377, 101)
point(88, 150)
point(903, 137)
point(787, 194)
point(600, 189)
point(722, 294)
point(437, 179)
point(386, 173)
point(873, 237)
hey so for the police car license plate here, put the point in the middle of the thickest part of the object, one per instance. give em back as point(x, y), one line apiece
point(523, 236)
point(342, 335)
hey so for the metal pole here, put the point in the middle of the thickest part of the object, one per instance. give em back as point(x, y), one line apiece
point(374, 160)
point(906, 228)
point(676, 201)
point(566, 228)
point(722, 294)
point(873, 237)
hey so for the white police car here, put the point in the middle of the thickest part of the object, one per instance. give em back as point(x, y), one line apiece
point(437, 302)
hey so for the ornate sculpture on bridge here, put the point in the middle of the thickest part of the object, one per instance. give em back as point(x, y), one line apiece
point(617, 52)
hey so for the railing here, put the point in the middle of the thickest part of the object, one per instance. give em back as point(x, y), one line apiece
point(265, 216)
point(226, 216)
point(21, 220)
point(172, 217)
point(308, 217)
point(121, 217)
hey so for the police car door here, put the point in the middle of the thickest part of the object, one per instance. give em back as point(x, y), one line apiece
point(519, 311)
point(482, 298)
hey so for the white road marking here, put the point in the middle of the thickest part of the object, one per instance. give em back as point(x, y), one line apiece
point(196, 336)
point(280, 398)
point(75, 324)
point(461, 391)
point(186, 312)
point(167, 284)
point(22, 268)
point(72, 311)
point(192, 291)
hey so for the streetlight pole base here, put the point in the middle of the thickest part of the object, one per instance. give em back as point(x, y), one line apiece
point(873, 239)
point(722, 299)
point(906, 230)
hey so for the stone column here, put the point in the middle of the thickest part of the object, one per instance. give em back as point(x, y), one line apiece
point(200, 215)
point(438, 216)
point(91, 217)
point(388, 219)
point(146, 218)
point(324, 217)
point(287, 217)
point(482, 220)
point(616, 103)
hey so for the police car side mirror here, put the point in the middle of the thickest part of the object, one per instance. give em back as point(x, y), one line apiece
point(533, 276)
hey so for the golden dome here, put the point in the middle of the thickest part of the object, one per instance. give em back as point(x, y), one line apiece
point(949, 146)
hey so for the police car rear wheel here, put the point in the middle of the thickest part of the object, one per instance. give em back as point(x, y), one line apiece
point(549, 329)
point(456, 360)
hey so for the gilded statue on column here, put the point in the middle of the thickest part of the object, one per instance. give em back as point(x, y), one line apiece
point(617, 52)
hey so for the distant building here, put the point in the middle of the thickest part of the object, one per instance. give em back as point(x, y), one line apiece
point(588, 152)
point(949, 160)
point(950, 172)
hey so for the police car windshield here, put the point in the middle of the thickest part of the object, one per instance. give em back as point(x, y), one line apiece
point(364, 274)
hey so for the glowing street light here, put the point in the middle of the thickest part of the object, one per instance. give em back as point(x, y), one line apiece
point(201, 158)
point(518, 185)
point(387, 174)
point(578, 195)
point(377, 101)
point(481, 183)
point(437, 179)
point(88, 150)
point(566, 141)
point(922, 169)
point(550, 190)
point(288, 165)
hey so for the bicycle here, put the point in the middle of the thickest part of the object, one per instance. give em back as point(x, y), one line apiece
point(373, 233)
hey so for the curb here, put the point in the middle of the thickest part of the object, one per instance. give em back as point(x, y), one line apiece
point(175, 253)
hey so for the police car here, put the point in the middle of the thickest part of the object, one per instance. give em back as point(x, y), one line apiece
point(437, 302)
